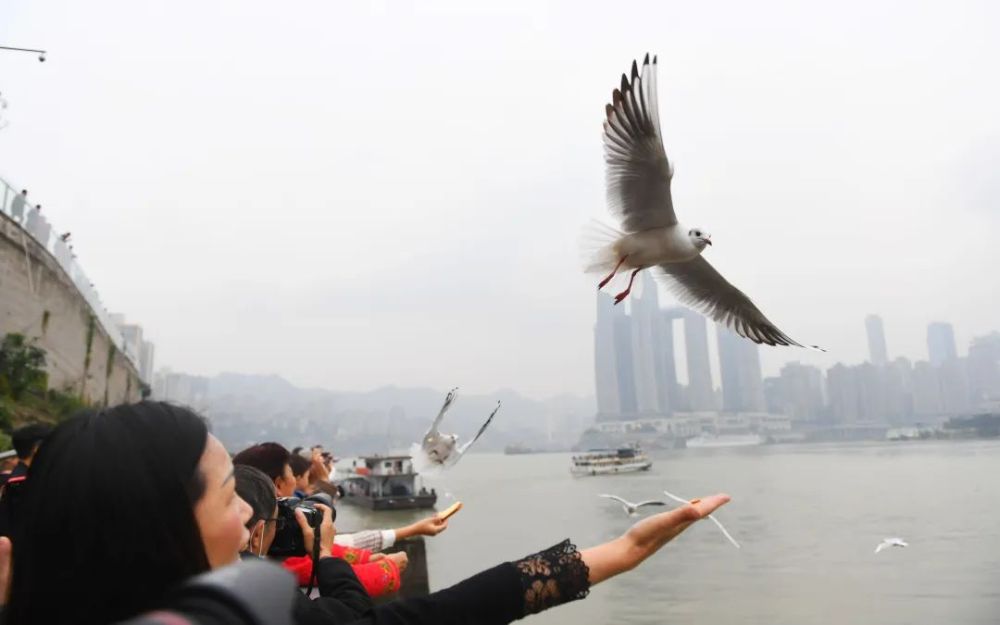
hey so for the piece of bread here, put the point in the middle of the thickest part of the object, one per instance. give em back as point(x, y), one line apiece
point(450, 510)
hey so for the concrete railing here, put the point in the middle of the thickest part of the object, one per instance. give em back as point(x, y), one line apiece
point(17, 206)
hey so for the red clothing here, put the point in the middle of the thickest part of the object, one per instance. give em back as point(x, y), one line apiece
point(378, 578)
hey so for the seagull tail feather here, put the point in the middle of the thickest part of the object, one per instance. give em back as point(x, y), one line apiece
point(597, 247)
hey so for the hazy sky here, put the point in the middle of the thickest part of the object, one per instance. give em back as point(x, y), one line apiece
point(351, 194)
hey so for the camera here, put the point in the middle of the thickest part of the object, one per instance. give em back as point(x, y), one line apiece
point(288, 539)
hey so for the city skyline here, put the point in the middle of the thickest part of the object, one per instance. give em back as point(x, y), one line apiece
point(636, 376)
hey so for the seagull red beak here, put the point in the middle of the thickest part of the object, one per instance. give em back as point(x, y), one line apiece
point(709, 241)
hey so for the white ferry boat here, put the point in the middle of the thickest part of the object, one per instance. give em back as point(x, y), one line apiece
point(610, 461)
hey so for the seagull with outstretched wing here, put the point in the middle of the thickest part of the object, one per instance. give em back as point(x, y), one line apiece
point(443, 449)
point(633, 508)
point(891, 542)
point(638, 180)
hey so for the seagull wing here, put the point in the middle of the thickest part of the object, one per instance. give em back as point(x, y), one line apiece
point(650, 503)
point(433, 431)
point(638, 172)
point(699, 285)
point(712, 518)
point(618, 499)
point(881, 546)
point(465, 447)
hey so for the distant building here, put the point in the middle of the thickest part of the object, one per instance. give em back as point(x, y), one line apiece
point(700, 395)
point(941, 343)
point(739, 364)
point(645, 317)
point(628, 404)
point(799, 392)
point(605, 360)
point(878, 354)
point(926, 391)
point(844, 394)
point(984, 368)
point(146, 361)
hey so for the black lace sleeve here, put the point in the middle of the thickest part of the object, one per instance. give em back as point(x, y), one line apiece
point(552, 577)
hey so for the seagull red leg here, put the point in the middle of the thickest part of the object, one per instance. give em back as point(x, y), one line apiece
point(612, 275)
point(624, 294)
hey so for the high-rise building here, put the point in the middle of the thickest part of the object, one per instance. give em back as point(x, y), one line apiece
point(798, 392)
point(628, 404)
point(926, 391)
point(984, 368)
point(645, 316)
point(739, 364)
point(954, 386)
point(878, 354)
point(146, 358)
point(844, 394)
point(668, 392)
point(700, 396)
point(605, 360)
point(941, 343)
point(899, 390)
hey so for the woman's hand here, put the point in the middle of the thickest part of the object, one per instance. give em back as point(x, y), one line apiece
point(431, 526)
point(326, 531)
point(646, 538)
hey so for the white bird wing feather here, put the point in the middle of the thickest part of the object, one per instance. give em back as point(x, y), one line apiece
point(618, 499)
point(465, 447)
point(433, 430)
point(650, 503)
point(714, 520)
point(638, 173)
point(699, 285)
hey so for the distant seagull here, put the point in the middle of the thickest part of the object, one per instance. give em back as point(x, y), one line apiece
point(891, 542)
point(712, 518)
point(632, 508)
point(440, 449)
point(638, 191)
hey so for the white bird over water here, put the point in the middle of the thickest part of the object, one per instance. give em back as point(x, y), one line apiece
point(891, 542)
point(711, 518)
point(632, 508)
point(441, 449)
point(638, 191)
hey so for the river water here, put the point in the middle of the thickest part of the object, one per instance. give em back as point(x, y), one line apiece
point(808, 518)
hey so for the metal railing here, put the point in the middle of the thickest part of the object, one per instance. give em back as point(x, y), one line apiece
point(16, 206)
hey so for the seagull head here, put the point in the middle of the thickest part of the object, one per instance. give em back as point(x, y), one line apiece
point(700, 238)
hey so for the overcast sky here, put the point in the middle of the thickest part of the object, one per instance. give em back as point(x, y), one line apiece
point(352, 194)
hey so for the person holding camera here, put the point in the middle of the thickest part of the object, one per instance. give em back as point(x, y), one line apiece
point(340, 600)
point(105, 544)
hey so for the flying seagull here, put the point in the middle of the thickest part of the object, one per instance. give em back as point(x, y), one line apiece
point(891, 542)
point(632, 508)
point(440, 449)
point(712, 518)
point(638, 192)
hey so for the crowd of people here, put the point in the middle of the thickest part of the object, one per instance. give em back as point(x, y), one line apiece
point(108, 513)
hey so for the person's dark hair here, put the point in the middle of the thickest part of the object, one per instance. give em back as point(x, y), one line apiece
point(25, 439)
point(270, 458)
point(300, 466)
point(257, 489)
point(108, 522)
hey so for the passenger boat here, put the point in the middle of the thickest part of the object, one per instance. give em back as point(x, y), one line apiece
point(385, 483)
point(610, 461)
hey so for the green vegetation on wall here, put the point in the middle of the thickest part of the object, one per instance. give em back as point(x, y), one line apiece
point(24, 393)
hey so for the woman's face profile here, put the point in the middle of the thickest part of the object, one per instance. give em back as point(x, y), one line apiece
point(221, 514)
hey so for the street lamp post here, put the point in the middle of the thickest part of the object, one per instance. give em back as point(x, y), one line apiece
point(41, 53)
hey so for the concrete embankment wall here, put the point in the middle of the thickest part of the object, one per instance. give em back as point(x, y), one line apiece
point(38, 300)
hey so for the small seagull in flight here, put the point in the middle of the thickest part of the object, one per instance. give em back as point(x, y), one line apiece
point(638, 177)
point(891, 542)
point(713, 519)
point(632, 508)
point(440, 449)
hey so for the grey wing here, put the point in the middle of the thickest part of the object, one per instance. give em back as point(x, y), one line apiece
point(433, 431)
point(465, 447)
point(650, 503)
point(697, 284)
point(638, 172)
point(618, 499)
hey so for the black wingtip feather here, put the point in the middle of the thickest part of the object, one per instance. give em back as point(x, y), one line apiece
point(635, 71)
point(646, 60)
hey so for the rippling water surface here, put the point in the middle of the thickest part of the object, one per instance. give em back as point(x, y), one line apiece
point(808, 518)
